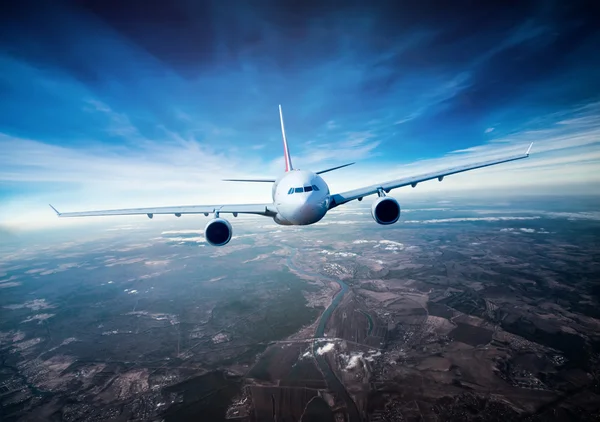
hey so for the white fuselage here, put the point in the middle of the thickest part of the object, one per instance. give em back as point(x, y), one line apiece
point(301, 197)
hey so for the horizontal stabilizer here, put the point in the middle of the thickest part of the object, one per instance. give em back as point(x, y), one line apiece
point(334, 168)
point(250, 180)
point(55, 210)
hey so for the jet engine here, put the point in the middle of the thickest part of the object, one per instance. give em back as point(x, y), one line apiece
point(385, 210)
point(218, 232)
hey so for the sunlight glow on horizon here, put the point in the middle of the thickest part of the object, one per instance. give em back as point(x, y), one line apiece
point(117, 121)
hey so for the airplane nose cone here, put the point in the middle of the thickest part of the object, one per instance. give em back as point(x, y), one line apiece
point(306, 212)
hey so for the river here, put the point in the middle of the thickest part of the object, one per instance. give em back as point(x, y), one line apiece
point(333, 383)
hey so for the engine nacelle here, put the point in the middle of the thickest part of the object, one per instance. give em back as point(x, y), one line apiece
point(218, 232)
point(385, 210)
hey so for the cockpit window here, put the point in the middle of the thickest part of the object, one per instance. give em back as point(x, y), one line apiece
point(303, 189)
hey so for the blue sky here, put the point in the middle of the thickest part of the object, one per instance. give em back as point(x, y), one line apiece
point(106, 103)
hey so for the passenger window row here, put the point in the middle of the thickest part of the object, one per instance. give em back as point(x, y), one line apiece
point(304, 189)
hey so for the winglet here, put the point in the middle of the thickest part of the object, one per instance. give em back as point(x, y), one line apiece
point(286, 151)
point(529, 149)
point(55, 210)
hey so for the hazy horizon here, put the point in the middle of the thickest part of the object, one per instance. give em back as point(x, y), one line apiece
point(99, 114)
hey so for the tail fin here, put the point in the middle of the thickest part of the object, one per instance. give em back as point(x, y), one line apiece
point(286, 151)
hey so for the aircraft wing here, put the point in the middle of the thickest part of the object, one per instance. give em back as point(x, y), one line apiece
point(258, 209)
point(342, 198)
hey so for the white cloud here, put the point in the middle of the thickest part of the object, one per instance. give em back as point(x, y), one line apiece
point(591, 215)
point(566, 152)
point(407, 118)
point(338, 222)
point(468, 219)
point(182, 232)
point(39, 317)
point(341, 254)
point(350, 146)
point(119, 123)
point(103, 177)
point(196, 239)
point(34, 305)
point(354, 361)
point(435, 94)
point(390, 245)
point(325, 349)
point(180, 170)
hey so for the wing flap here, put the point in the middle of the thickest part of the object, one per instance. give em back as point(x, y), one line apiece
point(258, 209)
point(342, 198)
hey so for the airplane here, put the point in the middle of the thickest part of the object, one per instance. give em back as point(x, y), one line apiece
point(300, 197)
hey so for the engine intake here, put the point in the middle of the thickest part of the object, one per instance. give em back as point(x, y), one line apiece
point(218, 232)
point(385, 210)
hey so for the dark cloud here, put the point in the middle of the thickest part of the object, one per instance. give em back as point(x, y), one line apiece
point(512, 74)
point(178, 33)
point(190, 36)
point(450, 63)
point(49, 36)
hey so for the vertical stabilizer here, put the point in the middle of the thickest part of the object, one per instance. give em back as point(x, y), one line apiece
point(286, 151)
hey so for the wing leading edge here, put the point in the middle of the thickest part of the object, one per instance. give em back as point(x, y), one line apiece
point(342, 198)
point(267, 210)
